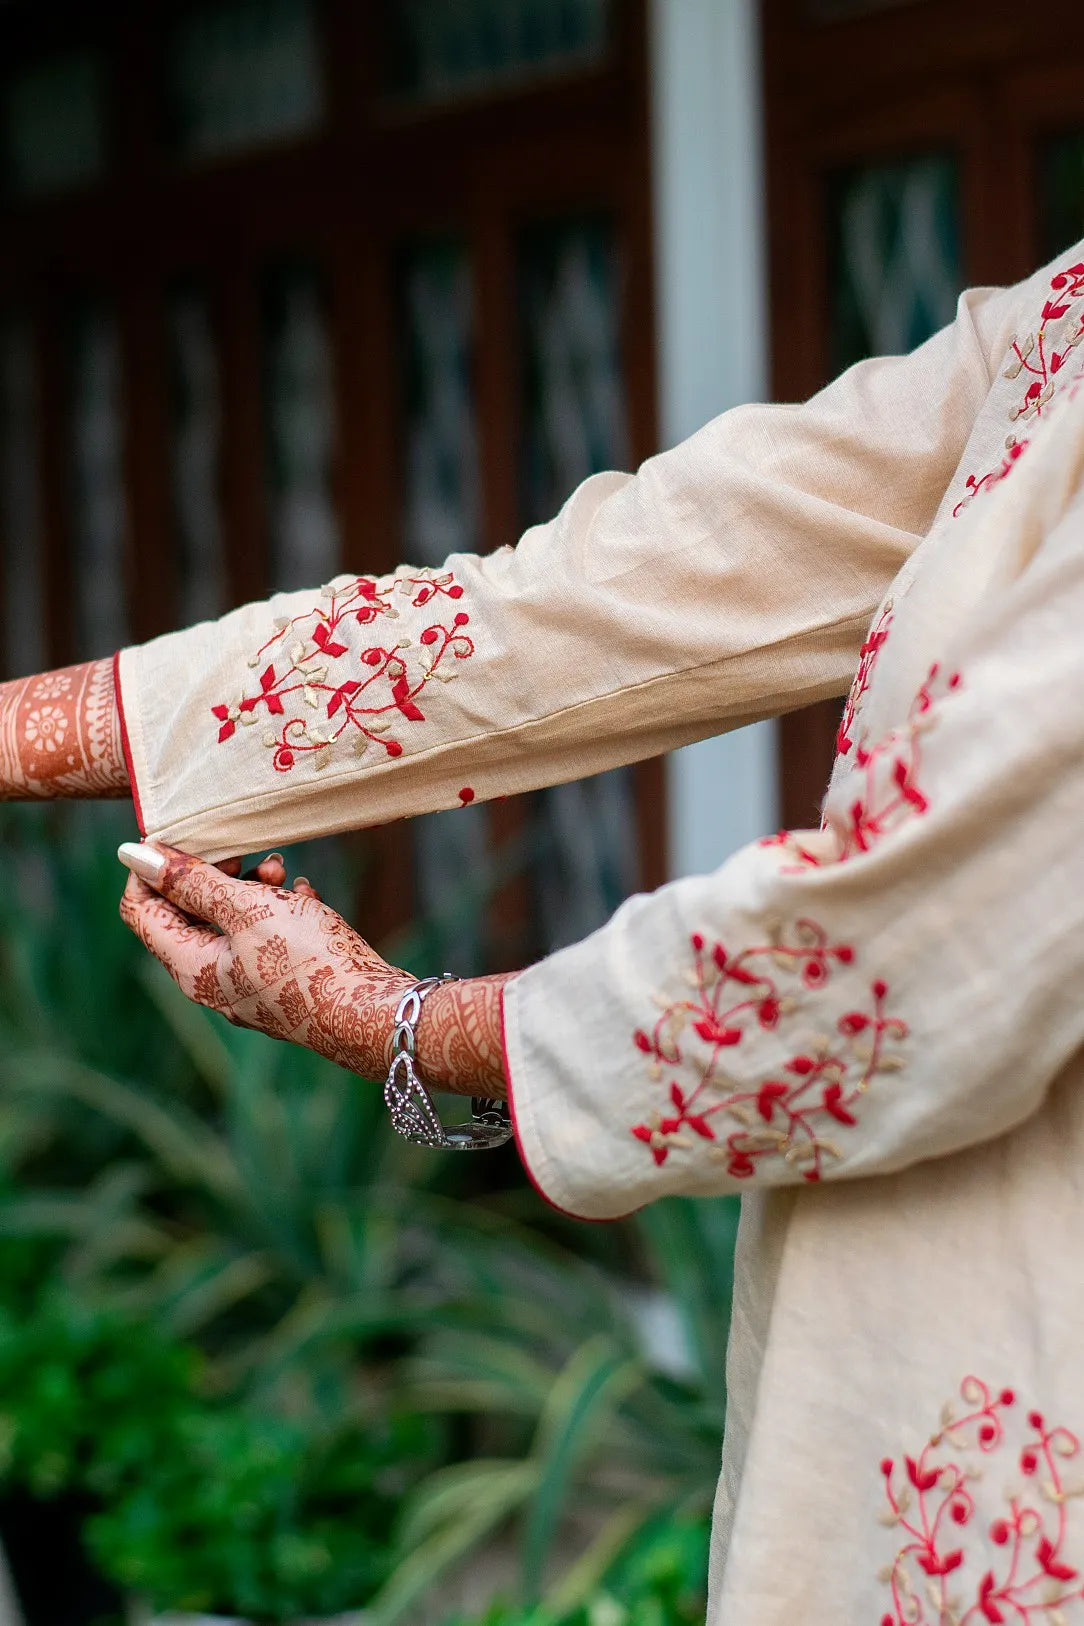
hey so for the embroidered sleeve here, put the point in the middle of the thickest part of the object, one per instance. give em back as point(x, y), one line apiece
point(731, 578)
point(842, 1002)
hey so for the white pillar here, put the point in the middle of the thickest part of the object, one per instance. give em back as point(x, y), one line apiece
point(712, 339)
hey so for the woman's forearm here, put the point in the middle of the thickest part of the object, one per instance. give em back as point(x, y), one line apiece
point(60, 736)
point(460, 1040)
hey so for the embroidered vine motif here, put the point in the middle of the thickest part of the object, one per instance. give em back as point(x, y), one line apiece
point(960, 1564)
point(867, 660)
point(892, 790)
point(891, 773)
point(1037, 360)
point(327, 684)
point(784, 1115)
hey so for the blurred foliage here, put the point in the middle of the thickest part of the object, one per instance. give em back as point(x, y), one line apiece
point(248, 1199)
point(288, 1516)
point(659, 1581)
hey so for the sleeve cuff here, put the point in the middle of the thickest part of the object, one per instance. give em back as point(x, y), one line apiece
point(542, 1126)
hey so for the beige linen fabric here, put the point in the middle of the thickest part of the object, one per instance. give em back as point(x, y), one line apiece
point(872, 1030)
point(731, 578)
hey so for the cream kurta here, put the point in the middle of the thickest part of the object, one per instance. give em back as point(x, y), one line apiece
point(821, 1022)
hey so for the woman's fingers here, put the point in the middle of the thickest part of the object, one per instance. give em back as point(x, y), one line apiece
point(189, 952)
point(270, 871)
point(305, 889)
point(198, 888)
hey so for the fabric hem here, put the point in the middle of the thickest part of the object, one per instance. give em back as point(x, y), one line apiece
point(517, 1129)
point(126, 746)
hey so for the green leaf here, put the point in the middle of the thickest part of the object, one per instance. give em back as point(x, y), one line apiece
point(595, 1381)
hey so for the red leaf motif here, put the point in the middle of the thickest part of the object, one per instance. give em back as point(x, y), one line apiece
point(401, 695)
point(274, 705)
point(986, 1603)
point(934, 1564)
point(802, 1065)
point(709, 1030)
point(767, 1096)
point(226, 731)
point(738, 973)
point(677, 1096)
point(267, 681)
point(221, 712)
point(923, 1479)
point(696, 1121)
point(322, 637)
point(833, 1104)
point(853, 1022)
point(1051, 1564)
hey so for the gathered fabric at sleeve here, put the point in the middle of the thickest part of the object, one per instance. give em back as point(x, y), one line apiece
point(730, 579)
point(895, 986)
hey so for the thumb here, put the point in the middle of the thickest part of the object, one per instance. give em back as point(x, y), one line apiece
point(199, 888)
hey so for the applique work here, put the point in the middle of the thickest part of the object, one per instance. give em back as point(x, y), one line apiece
point(325, 687)
point(1036, 360)
point(983, 1516)
point(813, 1094)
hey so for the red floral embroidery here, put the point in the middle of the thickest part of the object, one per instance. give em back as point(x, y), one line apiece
point(784, 1113)
point(1014, 449)
point(891, 791)
point(326, 682)
point(867, 660)
point(1038, 360)
point(891, 770)
point(957, 1565)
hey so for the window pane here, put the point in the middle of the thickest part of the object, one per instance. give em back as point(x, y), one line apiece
point(1061, 194)
point(54, 126)
point(21, 583)
point(300, 431)
point(243, 73)
point(97, 463)
point(456, 46)
point(573, 413)
point(896, 269)
point(441, 473)
point(441, 510)
point(196, 451)
point(573, 388)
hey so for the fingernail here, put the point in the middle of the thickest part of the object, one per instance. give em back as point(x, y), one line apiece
point(143, 861)
point(302, 880)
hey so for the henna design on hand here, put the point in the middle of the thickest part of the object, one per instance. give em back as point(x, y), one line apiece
point(60, 736)
point(285, 964)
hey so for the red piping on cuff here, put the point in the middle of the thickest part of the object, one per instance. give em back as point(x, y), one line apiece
point(584, 1219)
point(126, 745)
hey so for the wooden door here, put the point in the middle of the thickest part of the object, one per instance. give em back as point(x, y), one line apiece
point(295, 286)
point(915, 147)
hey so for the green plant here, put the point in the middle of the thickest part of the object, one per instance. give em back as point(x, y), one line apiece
point(660, 1580)
point(249, 1198)
point(205, 1502)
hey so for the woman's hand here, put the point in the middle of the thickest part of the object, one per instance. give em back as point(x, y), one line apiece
point(284, 963)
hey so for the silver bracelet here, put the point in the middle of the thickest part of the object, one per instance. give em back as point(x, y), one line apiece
point(413, 1114)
